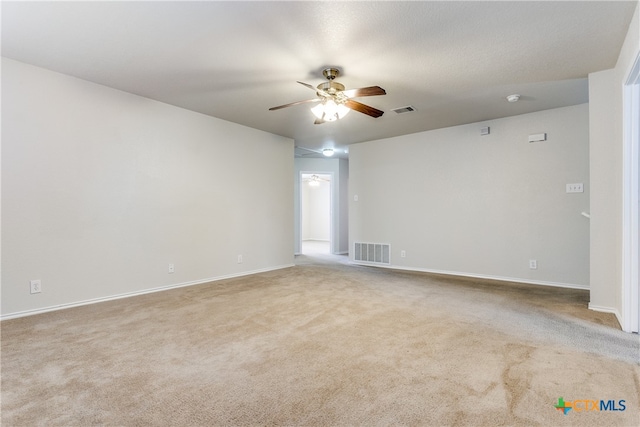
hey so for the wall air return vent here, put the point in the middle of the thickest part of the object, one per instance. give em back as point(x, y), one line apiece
point(372, 253)
point(402, 110)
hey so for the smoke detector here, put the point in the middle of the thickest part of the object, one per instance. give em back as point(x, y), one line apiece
point(513, 98)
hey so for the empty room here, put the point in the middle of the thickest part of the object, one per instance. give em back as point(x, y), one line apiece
point(320, 213)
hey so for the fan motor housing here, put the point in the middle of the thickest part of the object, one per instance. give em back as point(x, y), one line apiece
point(331, 87)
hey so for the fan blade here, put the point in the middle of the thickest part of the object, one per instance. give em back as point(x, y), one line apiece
point(308, 85)
point(365, 109)
point(294, 103)
point(365, 91)
point(320, 91)
point(318, 122)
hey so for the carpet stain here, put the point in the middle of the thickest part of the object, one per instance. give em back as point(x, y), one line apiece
point(516, 381)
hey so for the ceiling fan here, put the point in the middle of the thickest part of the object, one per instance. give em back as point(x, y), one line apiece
point(335, 101)
point(315, 180)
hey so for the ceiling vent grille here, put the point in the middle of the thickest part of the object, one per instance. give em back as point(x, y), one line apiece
point(402, 110)
point(372, 253)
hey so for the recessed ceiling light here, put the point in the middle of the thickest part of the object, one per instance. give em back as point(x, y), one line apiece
point(513, 98)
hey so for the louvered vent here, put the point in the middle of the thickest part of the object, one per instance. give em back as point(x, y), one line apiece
point(374, 253)
point(401, 110)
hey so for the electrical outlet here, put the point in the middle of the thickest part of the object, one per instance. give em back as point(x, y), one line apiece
point(239, 259)
point(403, 254)
point(533, 264)
point(36, 286)
point(172, 268)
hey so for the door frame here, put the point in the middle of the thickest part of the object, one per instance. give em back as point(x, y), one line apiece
point(631, 200)
point(332, 240)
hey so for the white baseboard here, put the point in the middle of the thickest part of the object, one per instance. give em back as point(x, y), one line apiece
point(479, 276)
point(607, 310)
point(136, 293)
point(336, 253)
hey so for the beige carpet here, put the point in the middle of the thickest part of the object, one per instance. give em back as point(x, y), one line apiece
point(322, 343)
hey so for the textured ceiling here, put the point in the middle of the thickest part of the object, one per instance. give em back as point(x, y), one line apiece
point(455, 62)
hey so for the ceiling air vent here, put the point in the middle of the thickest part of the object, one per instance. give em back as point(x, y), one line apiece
point(402, 110)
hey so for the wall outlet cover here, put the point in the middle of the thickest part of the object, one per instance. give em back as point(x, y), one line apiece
point(36, 286)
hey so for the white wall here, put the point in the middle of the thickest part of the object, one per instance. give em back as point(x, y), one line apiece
point(343, 205)
point(339, 169)
point(305, 218)
point(606, 192)
point(102, 189)
point(316, 211)
point(606, 143)
point(462, 203)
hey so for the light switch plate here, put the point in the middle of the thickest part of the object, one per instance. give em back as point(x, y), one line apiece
point(538, 137)
point(575, 188)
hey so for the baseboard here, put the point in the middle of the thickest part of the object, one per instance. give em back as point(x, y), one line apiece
point(136, 293)
point(479, 276)
point(607, 310)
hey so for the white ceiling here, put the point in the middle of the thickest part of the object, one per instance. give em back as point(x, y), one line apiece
point(455, 62)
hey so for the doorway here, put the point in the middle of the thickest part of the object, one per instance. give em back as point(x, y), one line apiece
point(631, 202)
point(315, 212)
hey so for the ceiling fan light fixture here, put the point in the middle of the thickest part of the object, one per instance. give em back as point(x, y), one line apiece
point(343, 110)
point(329, 111)
point(513, 98)
point(328, 152)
